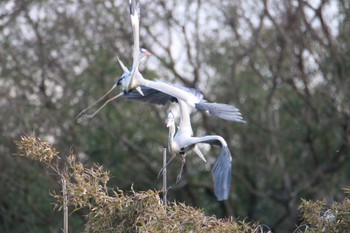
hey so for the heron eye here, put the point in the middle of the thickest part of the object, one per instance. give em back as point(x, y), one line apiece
point(119, 81)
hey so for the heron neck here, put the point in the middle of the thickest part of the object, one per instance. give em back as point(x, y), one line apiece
point(185, 121)
point(171, 138)
point(135, 67)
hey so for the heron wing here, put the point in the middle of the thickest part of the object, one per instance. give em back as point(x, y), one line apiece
point(221, 174)
point(154, 96)
point(151, 96)
point(224, 111)
point(193, 91)
point(135, 23)
point(209, 139)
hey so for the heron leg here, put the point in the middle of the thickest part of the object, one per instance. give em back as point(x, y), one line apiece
point(171, 159)
point(86, 117)
point(93, 104)
point(178, 178)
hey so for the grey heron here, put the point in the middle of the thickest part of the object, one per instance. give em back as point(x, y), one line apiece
point(129, 80)
point(182, 142)
point(81, 117)
point(161, 92)
point(133, 80)
point(153, 96)
point(126, 81)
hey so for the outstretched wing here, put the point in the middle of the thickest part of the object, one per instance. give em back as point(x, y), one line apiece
point(157, 97)
point(223, 111)
point(221, 174)
point(151, 96)
point(209, 139)
point(135, 23)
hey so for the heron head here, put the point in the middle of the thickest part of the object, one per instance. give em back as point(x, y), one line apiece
point(123, 79)
point(170, 120)
point(120, 80)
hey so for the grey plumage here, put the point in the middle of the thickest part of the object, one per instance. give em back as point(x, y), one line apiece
point(151, 96)
point(134, 7)
point(223, 111)
point(221, 174)
point(182, 141)
point(136, 87)
point(157, 97)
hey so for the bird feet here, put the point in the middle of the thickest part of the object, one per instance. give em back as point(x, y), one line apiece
point(161, 170)
point(84, 117)
point(178, 178)
point(81, 113)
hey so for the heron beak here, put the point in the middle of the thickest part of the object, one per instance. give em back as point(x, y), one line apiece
point(146, 53)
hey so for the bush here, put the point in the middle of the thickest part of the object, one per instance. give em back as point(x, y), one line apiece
point(116, 211)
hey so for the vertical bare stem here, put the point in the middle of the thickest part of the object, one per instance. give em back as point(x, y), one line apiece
point(165, 190)
point(65, 205)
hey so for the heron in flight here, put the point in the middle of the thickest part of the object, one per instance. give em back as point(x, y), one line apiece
point(161, 92)
point(129, 78)
point(153, 96)
point(133, 80)
point(182, 142)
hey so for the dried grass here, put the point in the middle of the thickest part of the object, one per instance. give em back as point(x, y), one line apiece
point(117, 211)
